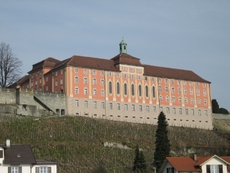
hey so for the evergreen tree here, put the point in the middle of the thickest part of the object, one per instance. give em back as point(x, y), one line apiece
point(162, 142)
point(215, 106)
point(139, 164)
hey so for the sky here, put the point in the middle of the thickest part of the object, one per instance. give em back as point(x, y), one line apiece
point(184, 34)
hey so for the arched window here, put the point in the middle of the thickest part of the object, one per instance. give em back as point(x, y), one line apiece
point(146, 91)
point(132, 89)
point(110, 87)
point(118, 88)
point(125, 89)
point(153, 92)
point(139, 88)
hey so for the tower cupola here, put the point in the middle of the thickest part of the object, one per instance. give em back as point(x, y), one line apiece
point(123, 46)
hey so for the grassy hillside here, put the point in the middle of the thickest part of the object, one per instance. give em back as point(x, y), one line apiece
point(76, 143)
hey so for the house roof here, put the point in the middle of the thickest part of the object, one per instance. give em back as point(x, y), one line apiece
point(172, 73)
point(46, 63)
point(189, 164)
point(124, 58)
point(19, 154)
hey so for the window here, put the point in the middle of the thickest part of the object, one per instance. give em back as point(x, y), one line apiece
point(186, 100)
point(186, 111)
point(160, 98)
point(40, 80)
point(139, 91)
point(47, 88)
point(170, 170)
point(214, 168)
point(140, 108)
point(147, 108)
point(77, 103)
point(174, 110)
point(61, 71)
point(102, 73)
point(166, 89)
point(85, 91)
point(199, 112)
point(198, 101)
point(76, 91)
point(152, 79)
point(111, 105)
point(47, 78)
point(75, 70)
point(185, 91)
point(15, 169)
point(159, 88)
point(192, 101)
point(179, 99)
point(94, 92)
point(110, 87)
point(103, 105)
point(166, 80)
point(102, 93)
point(154, 109)
point(146, 91)
point(94, 72)
point(1, 153)
point(109, 73)
point(85, 80)
point(118, 106)
point(43, 169)
point(102, 82)
point(168, 110)
point(61, 81)
point(204, 92)
point(125, 89)
point(94, 82)
point(172, 81)
point(86, 104)
point(132, 89)
point(95, 105)
point(133, 107)
point(167, 98)
point(173, 90)
point(56, 73)
point(56, 83)
point(76, 79)
point(179, 91)
point(85, 71)
point(173, 99)
point(153, 91)
point(118, 88)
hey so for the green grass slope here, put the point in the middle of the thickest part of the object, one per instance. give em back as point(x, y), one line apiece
point(76, 143)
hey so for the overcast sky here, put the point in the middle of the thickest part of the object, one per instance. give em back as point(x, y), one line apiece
point(184, 34)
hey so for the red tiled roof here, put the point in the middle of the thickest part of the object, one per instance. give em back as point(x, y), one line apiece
point(183, 163)
point(46, 63)
point(172, 73)
point(125, 58)
point(89, 62)
point(188, 164)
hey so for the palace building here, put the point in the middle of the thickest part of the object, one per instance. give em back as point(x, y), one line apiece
point(124, 89)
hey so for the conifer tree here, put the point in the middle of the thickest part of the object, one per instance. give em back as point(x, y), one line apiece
point(162, 142)
point(139, 164)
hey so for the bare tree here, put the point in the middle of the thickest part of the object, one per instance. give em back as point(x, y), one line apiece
point(10, 66)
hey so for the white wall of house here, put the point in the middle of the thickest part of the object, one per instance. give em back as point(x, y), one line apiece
point(25, 168)
point(214, 161)
point(53, 168)
point(168, 165)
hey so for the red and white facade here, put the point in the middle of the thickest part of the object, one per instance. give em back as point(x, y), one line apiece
point(123, 89)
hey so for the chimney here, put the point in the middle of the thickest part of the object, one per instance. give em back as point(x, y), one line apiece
point(8, 143)
point(195, 157)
